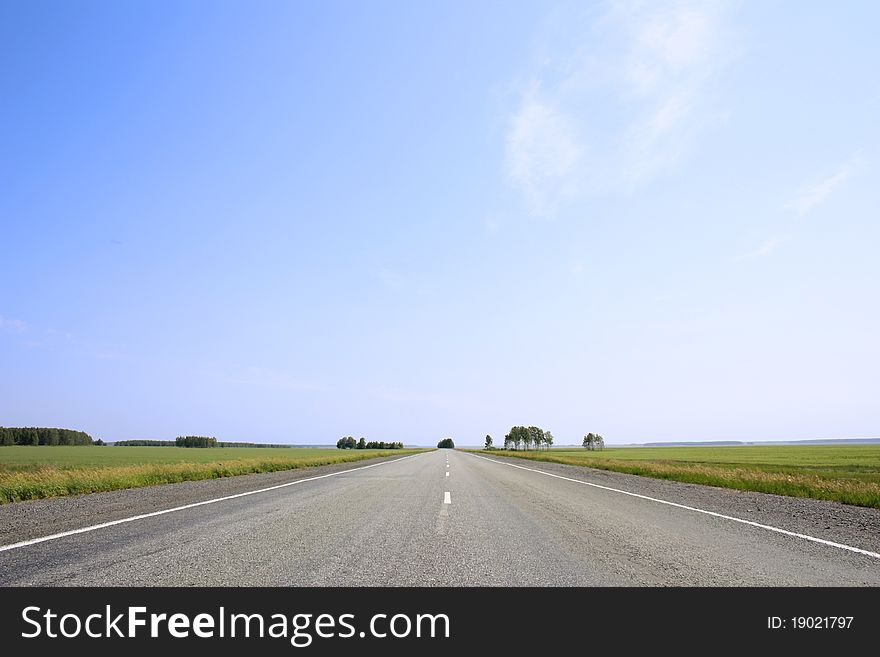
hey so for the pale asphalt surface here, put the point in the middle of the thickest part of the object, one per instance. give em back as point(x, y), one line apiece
point(390, 526)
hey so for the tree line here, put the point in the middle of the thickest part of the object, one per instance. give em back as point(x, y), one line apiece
point(348, 442)
point(536, 438)
point(526, 438)
point(446, 443)
point(175, 443)
point(195, 441)
point(181, 441)
point(45, 436)
point(145, 443)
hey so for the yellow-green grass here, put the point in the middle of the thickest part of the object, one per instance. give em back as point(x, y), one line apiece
point(842, 473)
point(28, 473)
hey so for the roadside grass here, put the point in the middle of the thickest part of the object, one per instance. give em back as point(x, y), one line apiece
point(841, 473)
point(28, 473)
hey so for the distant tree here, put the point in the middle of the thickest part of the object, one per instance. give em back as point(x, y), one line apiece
point(195, 441)
point(594, 441)
point(536, 437)
point(145, 443)
point(43, 436)
point(548, 439)
point(99, 443)
point(488, 442)
point(259, 445)
point(362, 444)
point(446, 443)
point(519, 437)
point(525, 438)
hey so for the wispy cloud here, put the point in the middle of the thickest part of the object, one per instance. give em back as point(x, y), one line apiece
point(12, 325)
point(812, 195)
point(674, 51)
point(543, 152)
point(763, 249)
point(621, 99)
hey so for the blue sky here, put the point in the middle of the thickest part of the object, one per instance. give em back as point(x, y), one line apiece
point(288, 222)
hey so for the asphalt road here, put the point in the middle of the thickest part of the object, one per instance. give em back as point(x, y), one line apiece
point(406, 522)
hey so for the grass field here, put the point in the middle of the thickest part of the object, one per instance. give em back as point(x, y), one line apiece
point(842, 473)
point(28, 473)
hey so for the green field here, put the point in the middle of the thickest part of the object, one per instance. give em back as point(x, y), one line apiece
point(28, 473)
point(842, 473)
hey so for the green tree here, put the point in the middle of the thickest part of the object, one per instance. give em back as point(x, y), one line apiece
point(488, 442)
point(346, 442)
point(519, 436)
point(536, 437)
point(362, 444)
point(446, 443)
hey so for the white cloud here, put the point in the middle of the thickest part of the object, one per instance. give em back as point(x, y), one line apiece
point(764, 249)
point(666, 41)
point(812, 195)
point(543, 151)
point(12, 325)
point(616, 101)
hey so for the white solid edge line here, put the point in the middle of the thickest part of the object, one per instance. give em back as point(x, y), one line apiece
point(691, 508)
point(83, 530)
point(447, 498)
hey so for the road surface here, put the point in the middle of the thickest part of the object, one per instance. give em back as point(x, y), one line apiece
point(443, 518)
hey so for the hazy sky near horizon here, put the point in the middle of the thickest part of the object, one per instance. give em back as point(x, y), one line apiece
point(293, 221)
